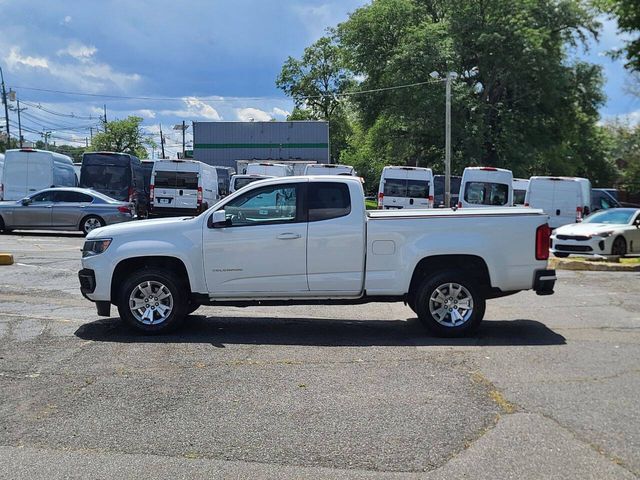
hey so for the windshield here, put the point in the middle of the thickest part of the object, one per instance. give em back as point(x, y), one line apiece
point(243, 182)
point(614, 216)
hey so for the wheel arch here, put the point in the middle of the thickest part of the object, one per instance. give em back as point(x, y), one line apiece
point(472, 265)
point(173, 264)
point(82, 220)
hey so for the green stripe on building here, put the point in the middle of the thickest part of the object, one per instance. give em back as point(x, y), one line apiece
point(260, 145)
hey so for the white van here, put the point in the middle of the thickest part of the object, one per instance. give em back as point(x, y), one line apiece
point(329, 169)
point(239, 181)
point(182, 187)
point(28, 170)
point(565, 199)
point(405, 187)
point(486, 187)
point(268, 168)
point(519, 190)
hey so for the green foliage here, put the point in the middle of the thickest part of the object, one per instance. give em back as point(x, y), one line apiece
point(625, 152)
point(627, 14)
point(124, 136)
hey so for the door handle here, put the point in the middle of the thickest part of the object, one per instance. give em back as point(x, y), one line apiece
point(288, 236)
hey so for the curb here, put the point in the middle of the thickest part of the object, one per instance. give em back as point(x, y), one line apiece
point(6, 259)
point(568, 264)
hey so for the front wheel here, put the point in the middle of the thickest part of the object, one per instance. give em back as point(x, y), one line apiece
point(619, 247)
point(449, 304)
point(150, 300)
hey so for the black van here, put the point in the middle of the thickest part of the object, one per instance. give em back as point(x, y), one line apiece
point(117, 175)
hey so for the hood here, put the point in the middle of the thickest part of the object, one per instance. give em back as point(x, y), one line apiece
point(585, 228)
point(143, 228)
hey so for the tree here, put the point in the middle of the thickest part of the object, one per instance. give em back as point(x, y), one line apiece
point(315, 82)
point(124, 136)
point(627, 13)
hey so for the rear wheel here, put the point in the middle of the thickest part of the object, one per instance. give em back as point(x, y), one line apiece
point(152, 301)
point(449, 304)
point(619, 247)
point(91, 223)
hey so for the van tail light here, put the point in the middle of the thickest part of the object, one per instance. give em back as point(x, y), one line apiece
point(1, 191)
point(380, 199)
point(199, 196)
point(152, 191)
point(124, 209)
point(131, 192)
point(430, 201)
point(543, 238)
point(578, 214)
point(459, 204)
point(526, 204)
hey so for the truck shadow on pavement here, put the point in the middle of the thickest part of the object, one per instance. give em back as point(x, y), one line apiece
point(221, 331)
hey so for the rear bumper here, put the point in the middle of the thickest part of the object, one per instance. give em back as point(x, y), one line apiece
point(544, 282)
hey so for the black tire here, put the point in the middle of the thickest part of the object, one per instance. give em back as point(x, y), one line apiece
point(619, 247)
point(153, 276)
point(88, 223)
point(560, 255)
point(2, 227)
point(446, 327)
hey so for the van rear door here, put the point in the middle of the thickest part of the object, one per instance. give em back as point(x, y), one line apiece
point(39, 171)
point(566, 200)
point(176, 185)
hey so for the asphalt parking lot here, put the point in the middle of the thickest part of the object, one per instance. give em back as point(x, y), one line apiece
point(547, 389)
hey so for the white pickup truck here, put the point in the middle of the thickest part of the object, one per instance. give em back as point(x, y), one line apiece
point(305, 240)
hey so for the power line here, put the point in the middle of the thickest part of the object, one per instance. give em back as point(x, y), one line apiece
point(58, 114)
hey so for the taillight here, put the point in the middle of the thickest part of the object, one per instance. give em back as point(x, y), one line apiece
point(1, 191)
point(124, 209)
point(199, 195)
point(543, 237)
point(459, 204)
point(131, 192)
point(380, 199)
point(151, 193)
point(578, 214)
point(430, 201)
point(526, 204)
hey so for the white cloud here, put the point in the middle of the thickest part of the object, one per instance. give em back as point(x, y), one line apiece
point(67, 20)
point(79, 51)
point(85, 73)
point(632, 118)
point(252, 114)
point(280, 112)
point(15, 60)
point(145, 113)
point(196, 108)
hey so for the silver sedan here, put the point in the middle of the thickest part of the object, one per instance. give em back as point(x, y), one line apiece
point(63, 209)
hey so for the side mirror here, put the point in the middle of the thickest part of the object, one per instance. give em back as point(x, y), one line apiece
point(218, 220)
point(25, 201)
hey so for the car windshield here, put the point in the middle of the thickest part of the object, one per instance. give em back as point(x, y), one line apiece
point(614, 216)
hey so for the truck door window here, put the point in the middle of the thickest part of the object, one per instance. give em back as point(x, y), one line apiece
point(272, 204)
point(328, 200)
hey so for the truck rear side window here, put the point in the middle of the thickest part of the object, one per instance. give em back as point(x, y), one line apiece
point(328, 200)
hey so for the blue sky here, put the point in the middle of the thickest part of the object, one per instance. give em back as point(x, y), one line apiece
point(209, 60)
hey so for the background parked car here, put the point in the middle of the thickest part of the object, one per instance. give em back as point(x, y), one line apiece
point(520, 186)
point(486, 187)
point(565, 199)
point(117, 175)
point(28, 170)
point(63, 209)
point(183, 187)
point(438, 190)
point(242, 180)
point(405, 187)
point(615, 231)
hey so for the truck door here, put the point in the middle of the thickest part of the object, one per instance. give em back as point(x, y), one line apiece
point(336, 239)
point(263, 249)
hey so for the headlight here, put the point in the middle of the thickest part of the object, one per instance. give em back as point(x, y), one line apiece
point(603, 234)
point(95, 247)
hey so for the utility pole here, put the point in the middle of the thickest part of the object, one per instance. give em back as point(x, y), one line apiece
point(162, 141)
point(447, 143)
point(6, 109)
point(13, 97)
point(46, 136)
point(105, 117)
point(91, 133)
point(183, 144)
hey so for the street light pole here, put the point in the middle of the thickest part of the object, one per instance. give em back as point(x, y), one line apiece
point(447, 143)
point(6, 109)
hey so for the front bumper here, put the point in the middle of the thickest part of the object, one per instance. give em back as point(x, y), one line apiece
point(583, 246)
point(544, 282)
point(87, 279)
